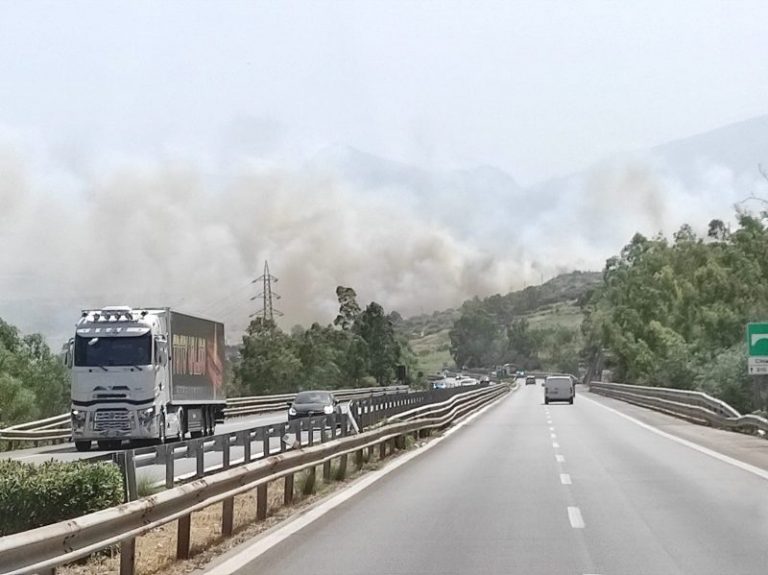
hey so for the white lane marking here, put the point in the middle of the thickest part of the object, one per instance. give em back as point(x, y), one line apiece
point(565, 478)
point(762, 473)
point(574, 516)
point(553, 435)
point(559, 458)
point(261, 546)
point(556, 445)
point(551, 428)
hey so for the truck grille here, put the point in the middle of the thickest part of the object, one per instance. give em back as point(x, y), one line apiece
point(112, 421)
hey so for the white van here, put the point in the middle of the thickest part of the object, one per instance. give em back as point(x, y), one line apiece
point(558, 388)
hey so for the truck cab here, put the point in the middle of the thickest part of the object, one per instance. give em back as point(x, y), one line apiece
point(122, 369)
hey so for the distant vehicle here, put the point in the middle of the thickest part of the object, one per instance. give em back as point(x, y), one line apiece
point(558, 388)
point(144, 373)
point(530, 380)
point(520, 373)
point(311, 403)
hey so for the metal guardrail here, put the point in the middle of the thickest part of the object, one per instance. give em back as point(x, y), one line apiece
point(57, 429)
point(693, 405)
point(45, 548)
point(262, 441)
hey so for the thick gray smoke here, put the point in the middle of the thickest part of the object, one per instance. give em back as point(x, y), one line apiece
point(165, 236)
point(176, 235)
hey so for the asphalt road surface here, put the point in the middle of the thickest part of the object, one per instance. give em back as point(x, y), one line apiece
point(67, 451)
point(560, 489)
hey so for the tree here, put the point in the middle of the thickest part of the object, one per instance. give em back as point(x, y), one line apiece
point(33, 382)
point(475, 339)
point(379, 335)
point(269, 360)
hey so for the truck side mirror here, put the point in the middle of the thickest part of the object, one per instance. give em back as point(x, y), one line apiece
point(161, 351)
point(68, 353)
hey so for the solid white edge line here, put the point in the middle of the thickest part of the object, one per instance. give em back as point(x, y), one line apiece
point(574, 516)
point(762, 473)
point(264, 544)
point(565, 479)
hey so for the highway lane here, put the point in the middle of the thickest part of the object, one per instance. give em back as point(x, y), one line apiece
point(528, 488)
point(67, 451)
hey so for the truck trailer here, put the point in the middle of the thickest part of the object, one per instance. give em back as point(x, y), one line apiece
point(146, 374)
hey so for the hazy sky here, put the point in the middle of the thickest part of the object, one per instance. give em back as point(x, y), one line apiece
point(536, 88)
point(157, 152)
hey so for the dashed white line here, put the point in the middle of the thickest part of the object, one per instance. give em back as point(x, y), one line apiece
point(556, 445)
point(553, 435)
point(565, 478)
point(574, 516)
point(551, 428)
point(559, 458)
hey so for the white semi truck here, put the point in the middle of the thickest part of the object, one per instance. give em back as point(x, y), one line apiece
point(144, 374)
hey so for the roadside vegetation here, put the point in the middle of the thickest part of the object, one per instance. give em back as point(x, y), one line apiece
point(535, 328)
point(36, 495)
point(33, 381)
point(673, 312)
point(361, 348)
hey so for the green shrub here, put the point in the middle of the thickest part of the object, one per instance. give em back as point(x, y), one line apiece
point(36, 495)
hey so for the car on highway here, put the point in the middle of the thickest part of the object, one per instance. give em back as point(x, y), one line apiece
point(530, 380)
point(311, 403)
point(558, 388)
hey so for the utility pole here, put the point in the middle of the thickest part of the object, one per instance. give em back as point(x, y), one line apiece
point(268, 311)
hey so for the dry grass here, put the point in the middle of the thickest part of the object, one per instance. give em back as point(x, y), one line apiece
point(156, 550)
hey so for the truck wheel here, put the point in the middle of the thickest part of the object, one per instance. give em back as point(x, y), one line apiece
point(546, 401)
point(83, 445)
point(571, 401)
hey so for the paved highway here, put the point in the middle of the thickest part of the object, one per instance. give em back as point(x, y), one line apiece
point(67, 451)
point(534, 489)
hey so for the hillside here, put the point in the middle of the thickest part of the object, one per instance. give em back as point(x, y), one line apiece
point(564, 289)
point(547, 307)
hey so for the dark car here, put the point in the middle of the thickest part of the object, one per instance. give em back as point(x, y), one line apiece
point(530, 380)
point(311, 403)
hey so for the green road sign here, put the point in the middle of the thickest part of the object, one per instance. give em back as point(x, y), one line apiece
point(757, 346)
point(757, 339)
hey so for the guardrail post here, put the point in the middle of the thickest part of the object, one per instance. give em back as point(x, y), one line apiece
point(342, 473)
point(244, 438)
point(183, 537)
point(227, 516)
point(310, 431)
point(199, 458)
point(359, 459)
point(283, 430)
point(224, 452)
point(170, 462)
point(265, 441)
point(128, 547)
point(288, 489)
point(382, 450)
point(261, 501)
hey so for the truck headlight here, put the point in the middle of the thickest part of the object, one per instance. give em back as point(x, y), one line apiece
point(146, 415)
point(328, 410)
point(291, 411)
point(78, 419)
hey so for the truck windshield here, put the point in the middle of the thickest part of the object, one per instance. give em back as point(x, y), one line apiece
point(106, 351)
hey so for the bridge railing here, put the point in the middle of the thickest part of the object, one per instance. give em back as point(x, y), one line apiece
point(694, 405)
point(58, 429)
point(45, 548)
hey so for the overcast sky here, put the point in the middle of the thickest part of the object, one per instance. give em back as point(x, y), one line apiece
point(536, 88)
point(158, 151)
